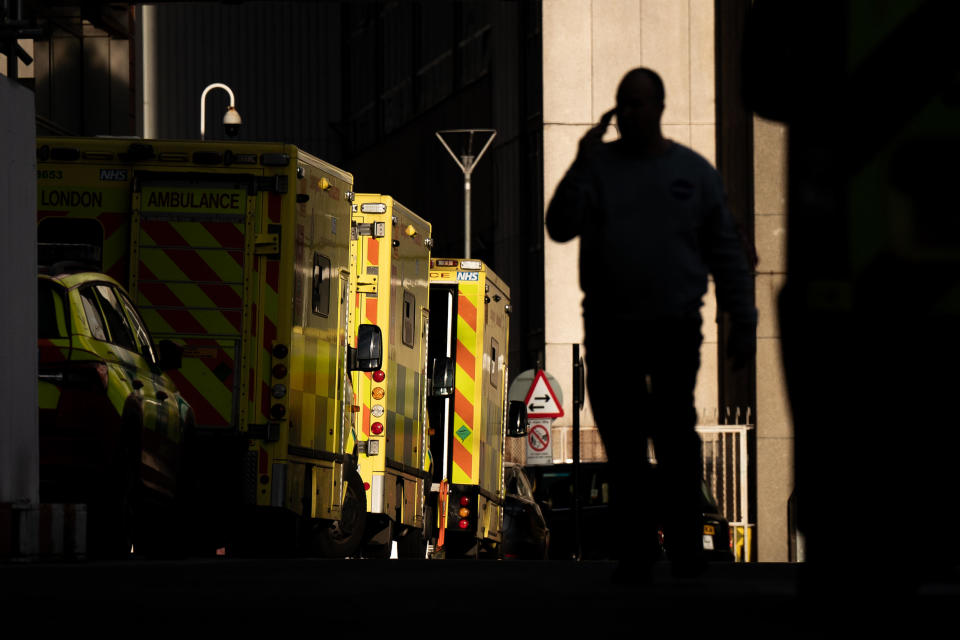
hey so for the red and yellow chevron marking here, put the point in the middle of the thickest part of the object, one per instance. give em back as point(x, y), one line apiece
point(205, 359)
point(116, 233)
point(189, 286)
point(466, 394)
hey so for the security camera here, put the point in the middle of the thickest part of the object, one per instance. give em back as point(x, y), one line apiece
point(232, 122)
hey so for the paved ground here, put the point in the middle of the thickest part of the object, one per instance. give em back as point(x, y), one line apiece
point(459, 596)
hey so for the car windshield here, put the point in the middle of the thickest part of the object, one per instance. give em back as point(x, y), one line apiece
point(51, 311)
point(708, 499)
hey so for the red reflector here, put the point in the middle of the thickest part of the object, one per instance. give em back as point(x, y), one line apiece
point(464, 501)
point(366, 486)
point(263, 460)
point(463, 524)
point(279, 371)
point(376, 428)
point(378, 376)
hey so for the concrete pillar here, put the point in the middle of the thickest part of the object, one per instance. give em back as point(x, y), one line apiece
point(774, 425)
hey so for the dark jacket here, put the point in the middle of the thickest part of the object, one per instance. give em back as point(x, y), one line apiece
point(651, 230)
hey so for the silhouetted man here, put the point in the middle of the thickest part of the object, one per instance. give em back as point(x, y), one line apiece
point(652, 222)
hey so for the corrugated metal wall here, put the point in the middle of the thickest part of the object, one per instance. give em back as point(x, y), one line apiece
point(281, 59)
point(82, 74)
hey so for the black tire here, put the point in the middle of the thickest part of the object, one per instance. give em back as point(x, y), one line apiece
point(413, 542)
point(489, 550)
point(113, 516)
point(461, 545)
point(342, 538)
point(382, 548)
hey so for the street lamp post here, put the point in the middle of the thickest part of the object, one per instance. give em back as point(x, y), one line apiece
point(231, 119)
point(467, 161)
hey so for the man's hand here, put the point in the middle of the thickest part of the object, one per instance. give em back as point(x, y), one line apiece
point(594, 138)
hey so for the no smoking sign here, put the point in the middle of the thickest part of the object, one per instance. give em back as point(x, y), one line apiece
point(539, 438)
point(539, 449)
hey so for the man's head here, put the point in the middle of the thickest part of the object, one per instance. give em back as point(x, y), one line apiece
point(640, 103)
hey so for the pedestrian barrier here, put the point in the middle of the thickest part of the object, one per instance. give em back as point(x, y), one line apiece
point(725, 471)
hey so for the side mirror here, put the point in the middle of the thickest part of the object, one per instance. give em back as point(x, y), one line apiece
point(368, 355)
point(442, 376)
point(517, 420)
point(171, 355)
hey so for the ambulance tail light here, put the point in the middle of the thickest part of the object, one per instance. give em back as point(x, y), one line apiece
point(379, 376)
point(464, 501)
point(376, 428)
point(464, 524)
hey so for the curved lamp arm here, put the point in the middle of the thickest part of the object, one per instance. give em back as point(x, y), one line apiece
point(203, 103)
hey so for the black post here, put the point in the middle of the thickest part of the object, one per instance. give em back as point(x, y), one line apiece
point(578, 379)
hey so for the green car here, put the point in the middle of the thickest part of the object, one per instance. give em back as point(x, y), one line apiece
point(111, 419)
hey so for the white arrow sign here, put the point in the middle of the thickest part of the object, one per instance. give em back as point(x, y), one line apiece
point(541, 401)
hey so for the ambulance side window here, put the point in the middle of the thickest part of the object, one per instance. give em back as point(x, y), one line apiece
point(494, 365)
point(321, 285)
point(409, 304)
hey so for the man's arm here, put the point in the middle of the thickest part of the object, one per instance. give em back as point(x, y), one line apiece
point(575, 199)
point(726, 258)
point(572, 203)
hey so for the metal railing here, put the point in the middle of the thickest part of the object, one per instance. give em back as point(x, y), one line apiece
point(725, 471)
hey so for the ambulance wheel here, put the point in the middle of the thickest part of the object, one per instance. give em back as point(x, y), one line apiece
point(380, 543)
point(342, 538)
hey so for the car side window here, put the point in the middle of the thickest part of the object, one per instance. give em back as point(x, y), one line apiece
point(120, 332)
point(140, 329)
point(52, 309)
point(91, 309)
point(512, 487)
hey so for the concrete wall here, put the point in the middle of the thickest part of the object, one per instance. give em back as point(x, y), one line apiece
point(19, 448)
point(587, 48)
point(774, 455)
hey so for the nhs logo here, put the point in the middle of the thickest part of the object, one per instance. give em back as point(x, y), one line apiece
point(113, 175)
point(468, 276)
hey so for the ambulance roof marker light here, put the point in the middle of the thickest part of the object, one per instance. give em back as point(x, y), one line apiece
point(231, 119)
